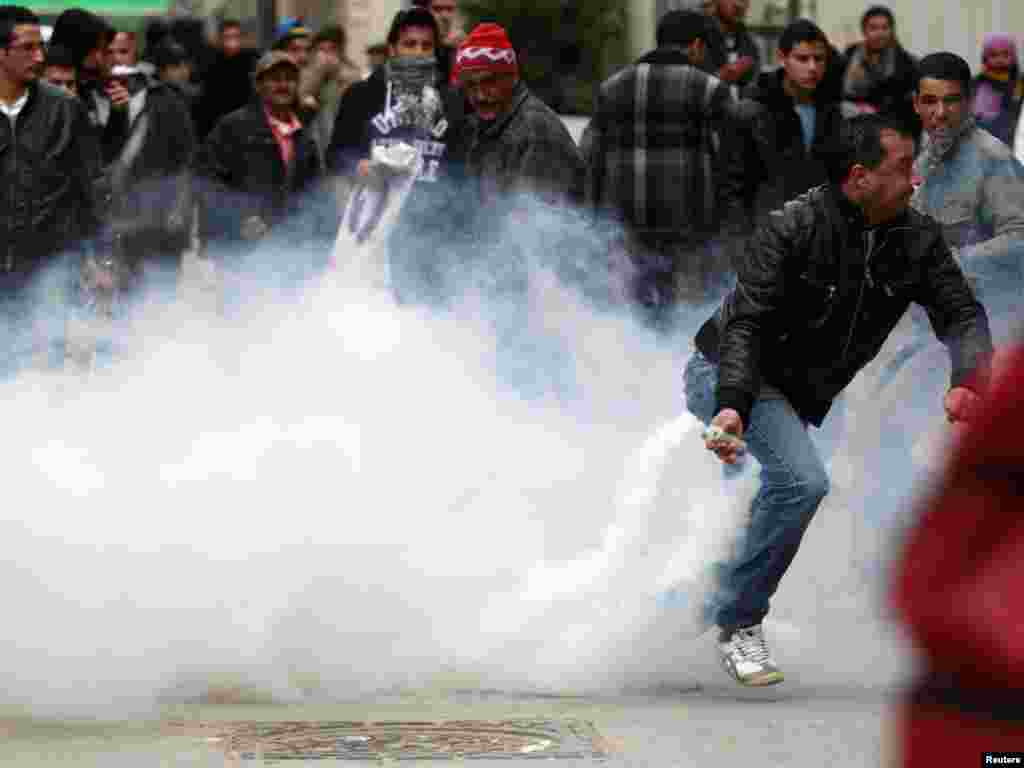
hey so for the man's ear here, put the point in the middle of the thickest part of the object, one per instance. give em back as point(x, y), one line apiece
point(857, 177)
point(779, 56)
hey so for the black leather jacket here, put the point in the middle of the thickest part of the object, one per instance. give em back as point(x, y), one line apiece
point(817, 295)
point(48, 165)
point(764, 160)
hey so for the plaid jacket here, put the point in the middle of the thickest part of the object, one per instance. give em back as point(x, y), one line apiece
point(648, 148)
point(528, 150)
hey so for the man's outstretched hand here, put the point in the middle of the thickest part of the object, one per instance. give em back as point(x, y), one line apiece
point(961, 405)
point(730, 448)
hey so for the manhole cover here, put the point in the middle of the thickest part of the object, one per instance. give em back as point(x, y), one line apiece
point(451, 740)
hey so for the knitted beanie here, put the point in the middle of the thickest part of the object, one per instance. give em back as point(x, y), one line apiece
point(486, 48)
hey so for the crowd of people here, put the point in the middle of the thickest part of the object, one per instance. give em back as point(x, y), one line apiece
point(816, 200)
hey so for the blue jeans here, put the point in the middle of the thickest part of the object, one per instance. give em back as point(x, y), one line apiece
point(793, 485)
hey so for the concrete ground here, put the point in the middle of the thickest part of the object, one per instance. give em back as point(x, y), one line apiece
point(716, 725)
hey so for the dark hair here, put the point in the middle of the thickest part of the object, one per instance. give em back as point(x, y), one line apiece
point(59, 56)
point(169, 53)
point(81, 32)
point(332, 33)
point(877, 10)
point(12, 16)
point(945, 66)
point(414, 17)
point(681, 28)
point(228, 24)
point(859, 142)
point(801, 31)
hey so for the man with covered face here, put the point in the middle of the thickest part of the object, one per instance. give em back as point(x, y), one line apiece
point(407, 100)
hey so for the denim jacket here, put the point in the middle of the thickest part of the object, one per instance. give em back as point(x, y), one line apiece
point(976, 191)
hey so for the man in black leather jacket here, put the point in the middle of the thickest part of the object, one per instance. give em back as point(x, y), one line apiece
point(819, 288)
point(48, 164)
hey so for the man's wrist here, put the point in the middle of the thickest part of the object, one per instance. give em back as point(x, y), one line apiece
point(737, 399)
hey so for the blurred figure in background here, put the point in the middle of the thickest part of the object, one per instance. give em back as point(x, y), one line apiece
point(958, 590)
point(376, 55)
point(880, 76)
point(88, 37)
point(452, 34)
point(998, 89)
point(733, 54)
point(48, 162)
point(174, 68)
point(124, 50)
point(227, 84)
point(255, 169)
point(60, 69)
point(323, 84)
point(649, 161)
point(782, 149)
point(297, 41)
point(147, 144)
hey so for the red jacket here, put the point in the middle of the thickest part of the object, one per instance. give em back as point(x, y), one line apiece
point(960, 591)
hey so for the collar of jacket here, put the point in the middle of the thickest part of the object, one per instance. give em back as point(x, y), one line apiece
point(770, 91)
point(499, 125)
point(668, 55)
point(849, 213)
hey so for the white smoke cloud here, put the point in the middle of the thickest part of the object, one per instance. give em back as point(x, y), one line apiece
point(336, 495)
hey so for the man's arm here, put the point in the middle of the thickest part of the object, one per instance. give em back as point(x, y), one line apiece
point(1002, 210)
point(549, 164)
point(958, 319)
point(742, 170)
point(85, 172)
point(350, 141)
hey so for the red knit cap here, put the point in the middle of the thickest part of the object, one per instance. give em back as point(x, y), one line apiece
point(486, 48)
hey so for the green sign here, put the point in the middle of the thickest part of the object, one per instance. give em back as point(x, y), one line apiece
point(103, 7)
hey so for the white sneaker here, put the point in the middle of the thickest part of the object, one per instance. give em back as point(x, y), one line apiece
point(746, 657)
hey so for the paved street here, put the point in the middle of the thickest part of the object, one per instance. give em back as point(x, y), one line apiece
point(719, 725)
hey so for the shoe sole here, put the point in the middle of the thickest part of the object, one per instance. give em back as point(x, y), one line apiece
point(758, 681)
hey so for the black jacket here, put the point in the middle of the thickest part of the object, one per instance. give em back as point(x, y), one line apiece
point(764, 159)
point(48, 168)
point(147, 199)
point(241, 174)
point(812, 306)
point(226, 87)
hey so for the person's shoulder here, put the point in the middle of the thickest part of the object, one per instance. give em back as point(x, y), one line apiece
point(543, 120)
point(991, 148)
point(239, 120)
